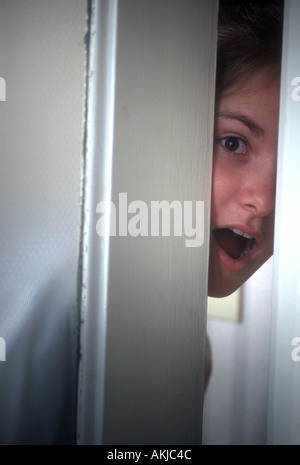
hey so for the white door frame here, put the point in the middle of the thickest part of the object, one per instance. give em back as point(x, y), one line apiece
point(284, 391)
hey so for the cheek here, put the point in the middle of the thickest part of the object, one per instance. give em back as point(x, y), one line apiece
point(269, 237)
point(221, 189)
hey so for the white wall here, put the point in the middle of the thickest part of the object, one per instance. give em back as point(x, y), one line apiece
point(43, 63)
point(236, 400)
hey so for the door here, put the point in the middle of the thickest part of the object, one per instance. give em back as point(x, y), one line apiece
point(149, 140)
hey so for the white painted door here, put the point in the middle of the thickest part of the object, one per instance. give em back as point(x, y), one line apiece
point(149, 138)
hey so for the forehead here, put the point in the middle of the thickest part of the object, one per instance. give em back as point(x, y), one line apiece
point(252, 102)
point(260, 81)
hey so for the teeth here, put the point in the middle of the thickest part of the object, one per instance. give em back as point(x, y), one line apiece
point(241, 233)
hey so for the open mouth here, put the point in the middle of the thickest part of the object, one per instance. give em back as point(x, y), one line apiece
point(236, 243)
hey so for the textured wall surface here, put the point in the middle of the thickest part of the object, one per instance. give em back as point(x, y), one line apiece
point(43, 63)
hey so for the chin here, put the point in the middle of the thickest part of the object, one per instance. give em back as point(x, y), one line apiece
point(222, 283)
point(219, 291)
point(227, 275)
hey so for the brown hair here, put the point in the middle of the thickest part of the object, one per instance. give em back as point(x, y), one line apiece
point(249, 37)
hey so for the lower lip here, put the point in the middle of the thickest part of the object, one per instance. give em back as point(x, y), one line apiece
point(231, 263)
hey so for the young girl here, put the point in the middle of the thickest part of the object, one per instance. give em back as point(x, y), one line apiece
point(245, 148)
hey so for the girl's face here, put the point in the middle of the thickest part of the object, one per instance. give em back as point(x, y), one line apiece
point(244, 175)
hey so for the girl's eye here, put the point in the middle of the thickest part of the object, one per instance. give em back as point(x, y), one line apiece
point(233, 144)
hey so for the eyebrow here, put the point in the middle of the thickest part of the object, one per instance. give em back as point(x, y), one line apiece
point(257, 130)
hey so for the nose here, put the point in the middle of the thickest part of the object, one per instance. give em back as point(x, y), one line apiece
point(258, 189)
